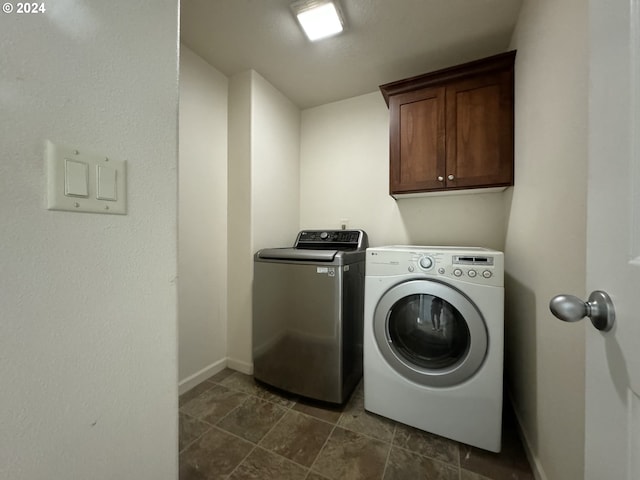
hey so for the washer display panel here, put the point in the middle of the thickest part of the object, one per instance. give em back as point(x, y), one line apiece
point(430, 333)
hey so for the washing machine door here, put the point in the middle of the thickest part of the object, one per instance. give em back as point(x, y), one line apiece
point(430, 333)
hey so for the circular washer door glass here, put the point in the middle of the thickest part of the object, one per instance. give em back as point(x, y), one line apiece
point(430, 333)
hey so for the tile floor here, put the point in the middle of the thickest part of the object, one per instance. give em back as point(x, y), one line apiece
point(232, 427)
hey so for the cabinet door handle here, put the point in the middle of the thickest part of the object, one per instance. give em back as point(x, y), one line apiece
point(450, 177)
point(440, 178)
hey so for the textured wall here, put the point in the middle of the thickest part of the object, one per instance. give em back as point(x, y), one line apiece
point(202, 205)
point(239, 273)
point(88, 302)
point(275, 166)
point(345, 174)
point(263, 193)
point(545, 242)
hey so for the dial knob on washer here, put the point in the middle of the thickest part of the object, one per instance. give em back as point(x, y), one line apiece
point(426, 263)
point(324, 235)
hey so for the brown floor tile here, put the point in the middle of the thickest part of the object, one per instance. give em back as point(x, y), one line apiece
point(190, 429)
point(297, 437)
point(218, 377)
point(214, 455)
point(246, 384)
point(241, 382)
point(427, 444)
point(194, 392)
point(214, 404)
point(405, 465)
point(253, 419)
point(467, 475)
point(510, 464)
point(351, 456)
point(263, 465)
point(357, 419)
point(315, 476)
point(340, 442)
point(275, 395)
point(324, 411)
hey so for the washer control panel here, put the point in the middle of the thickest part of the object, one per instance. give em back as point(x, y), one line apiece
point(332, 239)
point(469, 264)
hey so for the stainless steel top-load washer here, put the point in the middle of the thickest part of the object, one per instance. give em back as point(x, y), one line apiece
point(308, 310)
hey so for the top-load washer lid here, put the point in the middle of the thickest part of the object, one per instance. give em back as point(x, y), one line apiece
point(338, 246)
point(297, 254)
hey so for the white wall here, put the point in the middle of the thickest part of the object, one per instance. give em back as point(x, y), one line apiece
point(264, 132)
point(202, 226)
point(545, 240)
point(275, 172)
point(239, 246)
point(88, 361)
point(345, 175)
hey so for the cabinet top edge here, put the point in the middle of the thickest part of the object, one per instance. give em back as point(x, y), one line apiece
point(499, 62)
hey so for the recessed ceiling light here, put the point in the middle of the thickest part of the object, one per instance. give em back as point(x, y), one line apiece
point(318, 18)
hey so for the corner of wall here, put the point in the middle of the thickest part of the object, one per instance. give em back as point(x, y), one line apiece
point(544, 247)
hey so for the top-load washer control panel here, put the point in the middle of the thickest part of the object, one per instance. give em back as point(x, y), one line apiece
point(332, 239)
point(470, 264)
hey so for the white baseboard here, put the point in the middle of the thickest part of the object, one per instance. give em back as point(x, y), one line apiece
point(199, 377)
point(536, 467)
point(210, 370)
point(240, 366)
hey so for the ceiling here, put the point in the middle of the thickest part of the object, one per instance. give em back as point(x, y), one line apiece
point(385, 40)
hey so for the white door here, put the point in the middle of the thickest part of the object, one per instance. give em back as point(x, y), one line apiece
point(612, 429)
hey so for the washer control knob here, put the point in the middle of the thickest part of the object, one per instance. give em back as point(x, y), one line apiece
point(457, 272)
point(324, 235)
point(472, 273)
point(426, 263)
point(487, 274)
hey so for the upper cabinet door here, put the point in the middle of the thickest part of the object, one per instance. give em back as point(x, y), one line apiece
point(417, 146)
point(480, 132)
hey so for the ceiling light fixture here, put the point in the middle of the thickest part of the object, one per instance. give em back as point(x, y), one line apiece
point(319, 18)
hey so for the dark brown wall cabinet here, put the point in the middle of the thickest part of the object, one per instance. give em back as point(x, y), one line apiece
point(452, 129)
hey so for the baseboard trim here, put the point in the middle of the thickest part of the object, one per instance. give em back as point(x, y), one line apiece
point(240, 366)
point(200, 376)
point(536, 467)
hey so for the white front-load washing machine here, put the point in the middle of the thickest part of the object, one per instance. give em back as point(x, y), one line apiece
point(434, 340)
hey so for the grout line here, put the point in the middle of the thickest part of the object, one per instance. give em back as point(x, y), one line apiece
point(196, 439)
point(287, 409)
point(241, 461)
point(335, 425)
point(386, 461)
point(308, 415)
point(308, 469)
point(191, 400)
point(274, 425)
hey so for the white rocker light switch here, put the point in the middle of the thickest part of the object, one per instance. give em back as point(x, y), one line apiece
point(81, 181)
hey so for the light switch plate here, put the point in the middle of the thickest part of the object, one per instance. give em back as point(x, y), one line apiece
point(106, 181)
